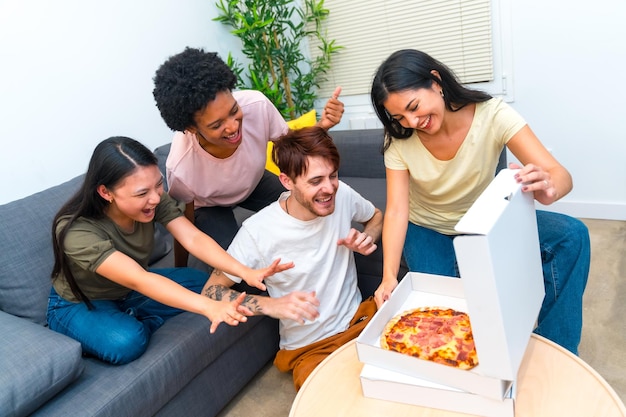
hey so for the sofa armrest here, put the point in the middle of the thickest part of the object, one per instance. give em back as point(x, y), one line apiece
point(35, 364)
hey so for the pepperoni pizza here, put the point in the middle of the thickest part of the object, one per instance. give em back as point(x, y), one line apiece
point(441, 335)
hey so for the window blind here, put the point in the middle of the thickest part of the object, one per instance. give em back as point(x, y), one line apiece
point(456, 32)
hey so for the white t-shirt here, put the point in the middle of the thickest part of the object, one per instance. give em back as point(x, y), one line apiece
point(195, 175)
point(320, 264)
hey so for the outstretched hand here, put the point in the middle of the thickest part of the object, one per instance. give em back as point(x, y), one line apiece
point(333, 111)
point(297, 305)
point(359, 242)
point(256, 276)
point(231, 313)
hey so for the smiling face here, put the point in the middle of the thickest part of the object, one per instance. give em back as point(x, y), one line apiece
point(135, 197)
point(313, 193)
point(218, 125)
point(422, 109)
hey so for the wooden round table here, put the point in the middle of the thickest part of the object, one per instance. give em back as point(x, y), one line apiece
point(551, 382)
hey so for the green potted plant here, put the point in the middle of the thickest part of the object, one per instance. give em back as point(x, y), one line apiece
point(273, 33)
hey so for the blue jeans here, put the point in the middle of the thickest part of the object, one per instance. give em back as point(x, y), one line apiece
point(118, 331)
point(565, 257)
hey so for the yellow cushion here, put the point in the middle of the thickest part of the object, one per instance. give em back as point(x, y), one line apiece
point(307, 119)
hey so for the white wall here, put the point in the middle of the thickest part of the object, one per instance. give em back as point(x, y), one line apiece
point(569, 70)
point(75, 72)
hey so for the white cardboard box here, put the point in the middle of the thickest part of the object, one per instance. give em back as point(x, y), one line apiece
point(387, 385)
point(501, 289)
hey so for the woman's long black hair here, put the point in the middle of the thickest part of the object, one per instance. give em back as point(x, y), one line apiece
point(113, 160)
point(410, 69)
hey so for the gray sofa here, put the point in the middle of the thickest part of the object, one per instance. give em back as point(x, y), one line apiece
point(186, 371)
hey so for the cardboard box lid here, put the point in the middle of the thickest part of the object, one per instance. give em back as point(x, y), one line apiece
point(500, 265)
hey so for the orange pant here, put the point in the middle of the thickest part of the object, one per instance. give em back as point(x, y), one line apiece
point(302, 361)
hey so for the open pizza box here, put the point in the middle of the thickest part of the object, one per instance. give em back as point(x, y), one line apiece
point(501, 289)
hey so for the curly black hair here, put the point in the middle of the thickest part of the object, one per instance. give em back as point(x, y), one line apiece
point(187, 82)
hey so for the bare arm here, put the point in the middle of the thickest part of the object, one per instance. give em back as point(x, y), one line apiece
point(206, 249)
point(394, 231)
point(125, 271)
point(541, 174)
point(298, 305)
point(374, 226)
point(181, 256)
point(218, 286)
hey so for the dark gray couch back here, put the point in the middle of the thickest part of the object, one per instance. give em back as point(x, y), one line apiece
point(26, 257)
point(359, 149)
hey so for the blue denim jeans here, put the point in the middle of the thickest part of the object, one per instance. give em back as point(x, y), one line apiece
point(118, 331)
point(565, 257)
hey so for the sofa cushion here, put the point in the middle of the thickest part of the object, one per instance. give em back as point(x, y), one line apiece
point(360, 152)
point(26, 251)
point(34, 366)
point(224, 378)
point(373, 189)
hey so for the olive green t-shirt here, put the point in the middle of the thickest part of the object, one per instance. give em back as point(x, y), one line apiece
point(89, 242)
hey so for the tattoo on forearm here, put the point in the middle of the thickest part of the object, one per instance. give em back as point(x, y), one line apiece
point(220, 292)
point(216, 292)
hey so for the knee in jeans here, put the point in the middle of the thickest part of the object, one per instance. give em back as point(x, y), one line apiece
point(124, 347)
point(565, 230)
point(577, 234)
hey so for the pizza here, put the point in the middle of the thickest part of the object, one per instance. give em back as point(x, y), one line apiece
point(441, 335)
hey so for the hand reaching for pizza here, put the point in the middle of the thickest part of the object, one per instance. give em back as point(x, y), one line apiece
point(359, 242)
point(256, 276)
point(298, 306)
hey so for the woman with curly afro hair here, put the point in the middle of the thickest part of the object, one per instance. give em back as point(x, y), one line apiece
point(216, 161)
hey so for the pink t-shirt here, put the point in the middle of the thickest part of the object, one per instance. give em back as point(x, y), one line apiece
point(195, 175)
